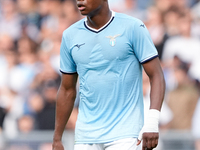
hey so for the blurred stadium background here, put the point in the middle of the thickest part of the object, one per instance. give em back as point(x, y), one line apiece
point(30, 37)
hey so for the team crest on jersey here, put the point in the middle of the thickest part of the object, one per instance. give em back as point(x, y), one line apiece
point(113, 39)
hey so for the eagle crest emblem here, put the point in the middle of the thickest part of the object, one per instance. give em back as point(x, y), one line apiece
point(113, 39)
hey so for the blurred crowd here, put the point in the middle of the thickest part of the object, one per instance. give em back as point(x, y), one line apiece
point(30, 38)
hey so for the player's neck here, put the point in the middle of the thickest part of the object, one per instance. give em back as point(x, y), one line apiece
point(100, 19)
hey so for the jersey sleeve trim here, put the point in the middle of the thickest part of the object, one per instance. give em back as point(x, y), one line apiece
point(148, 59)
point(67, 72)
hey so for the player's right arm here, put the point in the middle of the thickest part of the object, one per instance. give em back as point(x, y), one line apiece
point(64, 105)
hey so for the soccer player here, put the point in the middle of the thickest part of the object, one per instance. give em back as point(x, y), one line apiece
point(108, 52)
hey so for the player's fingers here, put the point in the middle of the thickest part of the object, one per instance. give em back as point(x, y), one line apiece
point(149, 144)
point(144, 144)
point(153, 143)
point(138, 142)
point(156, 141)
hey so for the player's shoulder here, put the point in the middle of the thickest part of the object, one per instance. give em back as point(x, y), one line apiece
point(121, 17)
point(74, 27)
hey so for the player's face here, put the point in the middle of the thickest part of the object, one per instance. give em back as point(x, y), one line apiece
point(89, 7)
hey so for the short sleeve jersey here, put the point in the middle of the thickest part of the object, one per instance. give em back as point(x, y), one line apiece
point(109, 64)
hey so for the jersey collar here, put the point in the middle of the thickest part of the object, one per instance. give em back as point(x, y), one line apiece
point(102, 28)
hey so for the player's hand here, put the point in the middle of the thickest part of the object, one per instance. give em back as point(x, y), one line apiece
point(150, 140)
point(150, 131)
point(57, 145)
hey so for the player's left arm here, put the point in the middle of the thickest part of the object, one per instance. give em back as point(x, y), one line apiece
point(150, 133)
point(154, 71)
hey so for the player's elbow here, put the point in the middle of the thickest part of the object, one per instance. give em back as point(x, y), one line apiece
point(66, 94)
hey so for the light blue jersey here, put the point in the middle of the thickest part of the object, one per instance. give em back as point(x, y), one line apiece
point(108, 62)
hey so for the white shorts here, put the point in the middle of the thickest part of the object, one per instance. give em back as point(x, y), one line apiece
point(122, 144)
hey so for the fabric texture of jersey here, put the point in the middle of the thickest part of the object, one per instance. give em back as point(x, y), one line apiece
point(108, 62)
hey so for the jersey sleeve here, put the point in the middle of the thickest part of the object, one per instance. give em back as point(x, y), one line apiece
point(67, 64)
point(143, 46)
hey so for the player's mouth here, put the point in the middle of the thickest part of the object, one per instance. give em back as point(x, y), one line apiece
point(81, 7)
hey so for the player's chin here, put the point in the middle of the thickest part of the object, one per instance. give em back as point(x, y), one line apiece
point(84, 13)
